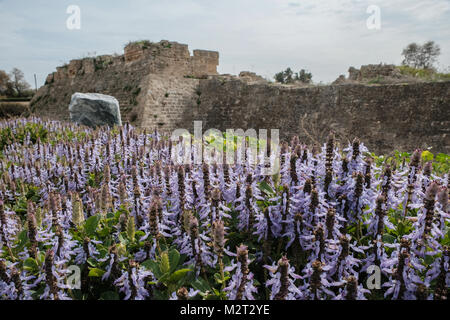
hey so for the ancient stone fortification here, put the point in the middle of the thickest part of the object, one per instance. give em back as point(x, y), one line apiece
point(385, 117)
point(150, 80)
point(160, 85)
point(372, 71)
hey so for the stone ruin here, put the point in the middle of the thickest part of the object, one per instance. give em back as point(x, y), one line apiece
point(373, 73)
point(251, 77)
point(152, 81)
point(162, 86)
point(163, 57)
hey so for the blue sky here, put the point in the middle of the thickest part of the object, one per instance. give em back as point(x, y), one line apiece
point(264, 36)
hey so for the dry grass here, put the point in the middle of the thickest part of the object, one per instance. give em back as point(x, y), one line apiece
point(14, 109)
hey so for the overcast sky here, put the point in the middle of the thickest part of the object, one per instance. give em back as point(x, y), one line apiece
point(264, 36)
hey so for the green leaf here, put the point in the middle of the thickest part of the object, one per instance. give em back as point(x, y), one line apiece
point(182, 259)
point(260, 203)
point(109, 295)
point(110, 216)
point(139, 234)
point(201, 285)
point(446, 240)
point(22, 240)
point(102, 253)
point(427, 156)
point(30, 264)
point(174, 258)
point(23, 237)
point(263, 186)
point(91, 225)
point(41, 257)
point(92, 262)
point(95, 272)
point(428, 259)
point(104, 232)
point(388, 238)
point(164, 278)
point(122, 239)
point(153, 266)
point(213, 294)
point(218, 278)
point(118, 213)
point(178, 275)
point(442, 157)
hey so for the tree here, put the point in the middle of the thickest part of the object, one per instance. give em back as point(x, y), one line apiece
point(288, 73)
point(6, 85)
point(430, 52)
point(279, 77)
point(4, 80)
point(303, 76)
point(421, 57)
point(18, 82)
point(288, 76)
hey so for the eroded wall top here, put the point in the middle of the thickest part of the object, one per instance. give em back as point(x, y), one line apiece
point(164, 57)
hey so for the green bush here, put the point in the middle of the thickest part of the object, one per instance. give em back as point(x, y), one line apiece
point(441, 161)
point(35, 130)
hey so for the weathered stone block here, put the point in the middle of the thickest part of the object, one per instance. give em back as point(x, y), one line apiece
point(88, 66)
point(133, 51)
point(60, 74)
point(73, 67)
point(94, 109)
point(49, 78)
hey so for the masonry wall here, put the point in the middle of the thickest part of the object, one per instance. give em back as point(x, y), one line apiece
point(166, 102)
point(384, 117)
point(162, 86)
point(139, 79)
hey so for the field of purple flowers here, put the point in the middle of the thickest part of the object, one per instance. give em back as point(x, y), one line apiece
point(105, 214)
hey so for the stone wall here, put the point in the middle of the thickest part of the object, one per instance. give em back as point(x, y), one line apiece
point(373, 71)
point(162, 86)
point(130, 78)
point(384, 117)
point(166, 101)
